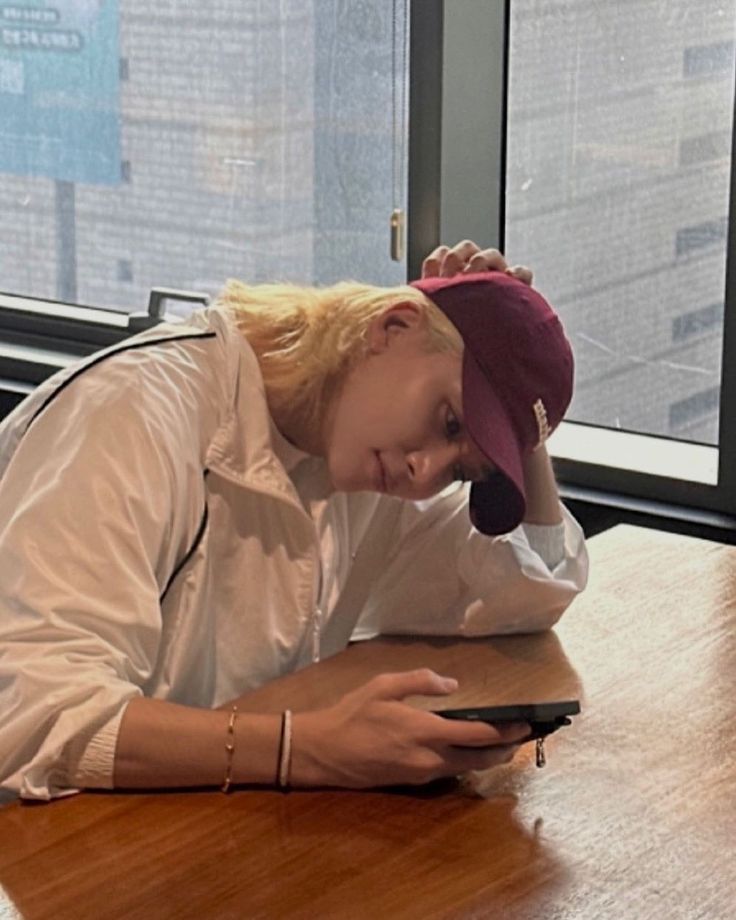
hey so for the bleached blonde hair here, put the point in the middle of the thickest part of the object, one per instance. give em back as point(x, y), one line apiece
point(307, 339)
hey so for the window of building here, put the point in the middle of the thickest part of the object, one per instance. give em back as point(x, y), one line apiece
point(711, 59)
point(698, 236)
point(696, 322)
point(267, 140)
point(714, 145)
point(693, 408)
point(125, 270)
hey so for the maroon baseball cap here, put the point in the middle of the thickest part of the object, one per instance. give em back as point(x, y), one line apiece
point(517, 381)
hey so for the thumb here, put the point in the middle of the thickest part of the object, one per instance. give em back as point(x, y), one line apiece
point(407, 683)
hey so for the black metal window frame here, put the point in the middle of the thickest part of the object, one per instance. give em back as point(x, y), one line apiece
point(39, 337)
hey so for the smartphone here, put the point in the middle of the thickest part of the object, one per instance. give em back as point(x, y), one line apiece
point(543, 718)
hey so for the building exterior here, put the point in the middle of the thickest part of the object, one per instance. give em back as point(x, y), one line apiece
point(257, 140)
point(620, 120)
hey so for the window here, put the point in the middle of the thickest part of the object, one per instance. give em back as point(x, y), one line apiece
point(617, 193)
point(708, 60)
point(692, 410)
point(697, 322)
point(125, 270)
point(255, 138)
point(249, 138)
point(613, 180)
point(697, 236)
point(714, 145)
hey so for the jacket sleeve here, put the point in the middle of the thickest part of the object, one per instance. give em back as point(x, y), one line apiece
point(90, 530)
point(443, 577)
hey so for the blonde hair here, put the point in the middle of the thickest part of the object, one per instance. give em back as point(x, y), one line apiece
point(306, 339)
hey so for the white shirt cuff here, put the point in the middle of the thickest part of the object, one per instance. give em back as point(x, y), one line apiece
point(547, 541)
point(91, 762)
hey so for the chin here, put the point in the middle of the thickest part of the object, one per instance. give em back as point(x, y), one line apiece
point(350, 486)
point(348, 483)
point(341, 480)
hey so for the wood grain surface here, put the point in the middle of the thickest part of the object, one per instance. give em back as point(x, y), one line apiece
point(634, 816)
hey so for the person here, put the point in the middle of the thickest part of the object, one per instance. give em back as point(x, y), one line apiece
point(209, 505)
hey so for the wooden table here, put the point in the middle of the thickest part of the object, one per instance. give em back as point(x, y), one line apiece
point(633, 817)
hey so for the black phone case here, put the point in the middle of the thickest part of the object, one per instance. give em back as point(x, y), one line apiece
point(543, 718)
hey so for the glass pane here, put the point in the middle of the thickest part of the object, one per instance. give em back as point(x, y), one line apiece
point(177, 144)
point(619, 145)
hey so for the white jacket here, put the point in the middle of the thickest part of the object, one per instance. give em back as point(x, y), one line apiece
point(153, 542)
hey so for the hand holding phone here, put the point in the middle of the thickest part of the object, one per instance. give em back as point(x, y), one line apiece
point(543, 718)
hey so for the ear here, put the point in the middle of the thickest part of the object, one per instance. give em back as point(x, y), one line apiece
point(397, 322)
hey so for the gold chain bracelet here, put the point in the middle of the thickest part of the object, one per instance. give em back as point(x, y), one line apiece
point(230, 750)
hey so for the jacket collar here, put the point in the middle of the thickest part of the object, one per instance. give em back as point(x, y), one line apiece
point(247, 448)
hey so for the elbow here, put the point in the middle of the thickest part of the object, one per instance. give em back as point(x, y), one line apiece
point(530, 607)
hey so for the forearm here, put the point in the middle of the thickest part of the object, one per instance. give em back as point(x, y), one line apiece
point(164, 745)
point(542, 497)
point(369, 738)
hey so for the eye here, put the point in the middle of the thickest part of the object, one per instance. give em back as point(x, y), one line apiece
point(453, 426)
point(453, 429)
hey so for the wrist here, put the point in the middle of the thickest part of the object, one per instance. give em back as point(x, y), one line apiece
point(256, 741)
point(542, 497)
point(308, 741)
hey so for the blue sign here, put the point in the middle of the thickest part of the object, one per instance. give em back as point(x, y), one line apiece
point(59, 90)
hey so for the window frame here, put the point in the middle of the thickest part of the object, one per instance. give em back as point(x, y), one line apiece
point(465, 39)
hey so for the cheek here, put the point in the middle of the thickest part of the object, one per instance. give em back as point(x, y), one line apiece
point(363, 415)
point(381, 408)
point(348, 451)
point(349, 465)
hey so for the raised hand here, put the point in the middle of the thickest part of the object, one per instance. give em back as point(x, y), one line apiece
point(466, 258)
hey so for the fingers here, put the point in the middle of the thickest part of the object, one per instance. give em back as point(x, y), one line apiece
point(468, 258)
point(432, 265)
point(461, 760)
point(454, 761)
point(445, 262)
point(458, 258)
point(480, 750)
point(481, 734)
point(491, 260)
point(407, 683)
point(522, 273)
point(487, 260)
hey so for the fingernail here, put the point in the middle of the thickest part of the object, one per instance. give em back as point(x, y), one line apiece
point(450, 683)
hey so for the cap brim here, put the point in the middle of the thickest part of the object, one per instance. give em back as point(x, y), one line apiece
point(497, 505)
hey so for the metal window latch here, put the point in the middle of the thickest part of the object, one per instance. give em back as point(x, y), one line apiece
point(397, 234)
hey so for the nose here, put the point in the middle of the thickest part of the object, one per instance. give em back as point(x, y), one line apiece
point(430, 469)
